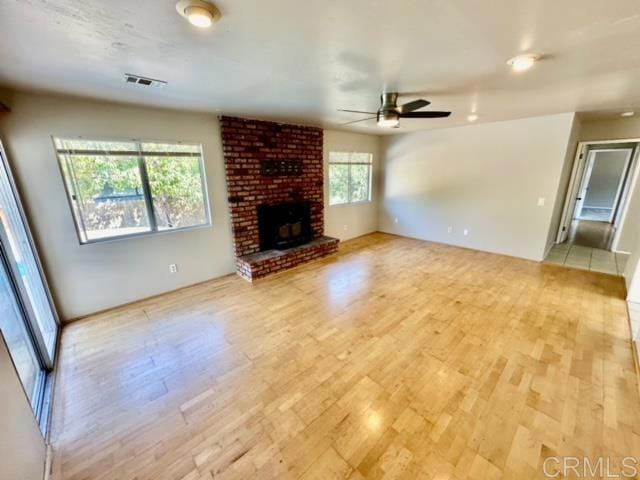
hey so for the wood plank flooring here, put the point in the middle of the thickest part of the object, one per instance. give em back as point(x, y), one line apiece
point(396, 358)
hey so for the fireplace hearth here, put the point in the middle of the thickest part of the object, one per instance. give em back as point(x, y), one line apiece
point(284, 225)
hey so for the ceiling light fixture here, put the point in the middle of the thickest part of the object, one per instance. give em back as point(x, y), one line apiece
point(199, 13)
point(627, 114)
point(472, 117)
point(523, 62)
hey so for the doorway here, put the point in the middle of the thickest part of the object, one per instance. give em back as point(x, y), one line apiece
point(600, 196)
point(28, 319)
point(596, 205)
point(597, 195)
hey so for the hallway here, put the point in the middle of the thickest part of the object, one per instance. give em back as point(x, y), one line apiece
point(587, 233)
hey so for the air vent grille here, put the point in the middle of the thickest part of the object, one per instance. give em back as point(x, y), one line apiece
point(143, 81)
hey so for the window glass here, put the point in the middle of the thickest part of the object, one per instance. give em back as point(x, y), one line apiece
point(126, 188)
point(176, 190)
point(349, 177)
point(338, 184)
point(360, 183)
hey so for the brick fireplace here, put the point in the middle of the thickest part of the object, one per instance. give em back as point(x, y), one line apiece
point(275, 190)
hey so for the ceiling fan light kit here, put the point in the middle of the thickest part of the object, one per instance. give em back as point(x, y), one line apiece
point(388, 119)
point(199, 13)
point(523, 62)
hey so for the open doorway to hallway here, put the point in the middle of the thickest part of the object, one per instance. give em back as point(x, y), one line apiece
point(596, 207)
point(601, 196)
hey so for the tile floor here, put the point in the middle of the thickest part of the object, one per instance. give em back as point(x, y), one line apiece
point(587, 258)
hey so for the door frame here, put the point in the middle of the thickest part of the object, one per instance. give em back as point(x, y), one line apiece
point(38, 399)
point(579, 163)
point(49, 361)
point(584, 175)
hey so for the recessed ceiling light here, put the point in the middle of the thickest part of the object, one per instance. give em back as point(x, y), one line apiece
point(627, 114)
point(199, 13)
point(523, 62)
point(472, 117)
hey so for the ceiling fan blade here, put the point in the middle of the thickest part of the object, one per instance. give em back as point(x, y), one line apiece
point(361, 120)
point(425, 114)
point(415, 105)
point(356, 111)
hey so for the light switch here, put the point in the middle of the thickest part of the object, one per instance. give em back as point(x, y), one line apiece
point(541, 202)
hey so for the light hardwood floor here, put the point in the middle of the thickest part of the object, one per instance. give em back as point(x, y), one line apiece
point(396, 358)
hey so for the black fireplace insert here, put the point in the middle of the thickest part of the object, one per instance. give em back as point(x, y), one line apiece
point(284, 225)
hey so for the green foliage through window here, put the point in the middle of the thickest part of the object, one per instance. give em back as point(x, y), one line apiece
point(125, 187)
point(349, 177)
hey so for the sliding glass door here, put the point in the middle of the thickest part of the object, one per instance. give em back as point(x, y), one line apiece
point(28, 319)
point(13, 325)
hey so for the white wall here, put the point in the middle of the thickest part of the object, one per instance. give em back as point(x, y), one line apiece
point(22, 448)
point(349, 221)
point(88, 278)
point(486, 178)
point(630, 233)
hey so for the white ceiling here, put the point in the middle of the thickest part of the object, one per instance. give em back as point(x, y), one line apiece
point(301, 60)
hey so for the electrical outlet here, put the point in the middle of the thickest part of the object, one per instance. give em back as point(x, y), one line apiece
point(450, 230)
point(466, 232)
point(541, 202)
point(395, 219)
point(173, 268)
point(346, 227)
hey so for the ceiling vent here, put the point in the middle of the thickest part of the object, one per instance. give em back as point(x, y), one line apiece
point(144, 81)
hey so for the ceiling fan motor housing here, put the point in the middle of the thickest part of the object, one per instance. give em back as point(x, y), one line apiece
point(389, 101)
point(388, 113)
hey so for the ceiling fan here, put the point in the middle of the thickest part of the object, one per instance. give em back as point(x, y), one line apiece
point(390, 113)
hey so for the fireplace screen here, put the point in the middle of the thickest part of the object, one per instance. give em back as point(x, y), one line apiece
point(284, 225)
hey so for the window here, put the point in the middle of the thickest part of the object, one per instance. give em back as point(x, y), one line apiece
point(123, 188)
point(349, 177)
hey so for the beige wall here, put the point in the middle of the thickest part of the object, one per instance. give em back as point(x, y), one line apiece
point(486, 178)
point(565, 178)
point(615, 128)
point(88, 278)
point(349, 221)
point(22, 448)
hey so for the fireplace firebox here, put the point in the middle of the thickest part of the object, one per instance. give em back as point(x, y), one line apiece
point(284, 225)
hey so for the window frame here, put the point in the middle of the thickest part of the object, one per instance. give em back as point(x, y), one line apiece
point(78, 223)
point(349, 163)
